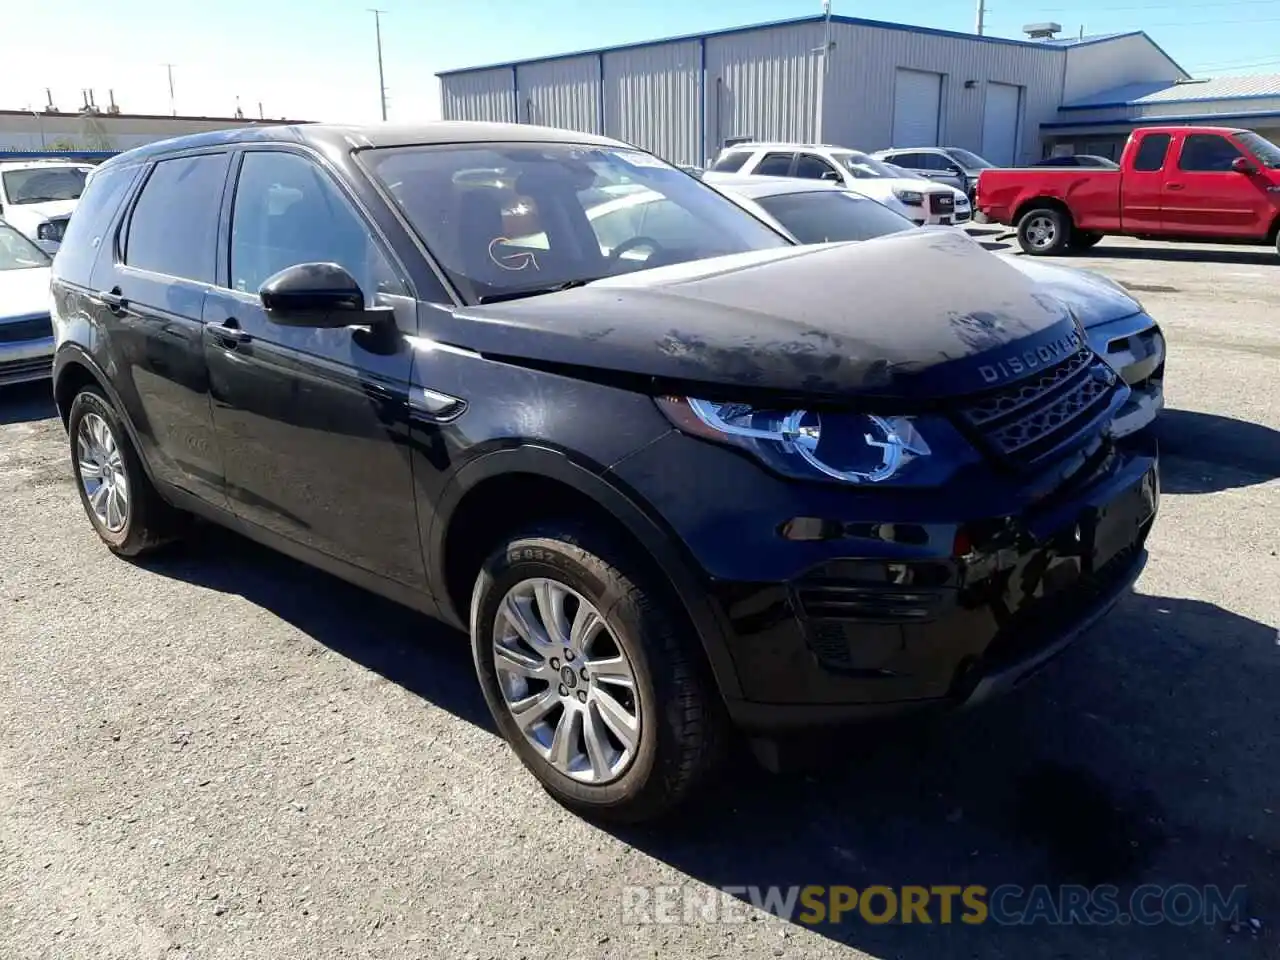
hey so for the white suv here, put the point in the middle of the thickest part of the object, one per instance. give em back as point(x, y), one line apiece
point(920, 201)
point(37, 197)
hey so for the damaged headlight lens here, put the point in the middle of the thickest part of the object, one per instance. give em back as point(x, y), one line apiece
point(853, 448)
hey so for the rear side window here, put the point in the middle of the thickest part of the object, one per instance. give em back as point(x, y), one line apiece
point(1151, 152)
point(91, 220)
point(174, 226)
point(774, 165)
point(1207, 152)
point(731, 162)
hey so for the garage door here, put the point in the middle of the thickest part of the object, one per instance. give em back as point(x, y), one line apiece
point(1000, 124)
point(917, 102)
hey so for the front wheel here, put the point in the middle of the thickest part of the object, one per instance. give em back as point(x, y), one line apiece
point(591, 674)
point(1044, 231)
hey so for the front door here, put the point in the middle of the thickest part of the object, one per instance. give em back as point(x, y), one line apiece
point(1204, 196)
point(313, 422)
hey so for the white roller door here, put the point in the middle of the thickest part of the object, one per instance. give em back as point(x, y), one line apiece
point(917, 103)
point(1000, 124)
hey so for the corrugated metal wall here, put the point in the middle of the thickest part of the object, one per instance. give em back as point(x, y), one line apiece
point(762, 84)
point(858, 102)
point(561, 93)
point(479, 95)
point(652, 98)
point(1108, 64)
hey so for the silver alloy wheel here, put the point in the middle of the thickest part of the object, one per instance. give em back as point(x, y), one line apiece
point(1042, 232)
point(567, 681)
point(101, 469)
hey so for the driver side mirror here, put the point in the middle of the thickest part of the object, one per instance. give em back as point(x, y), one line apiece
point(1243, 165)
point(322, 295)
point(832, 177)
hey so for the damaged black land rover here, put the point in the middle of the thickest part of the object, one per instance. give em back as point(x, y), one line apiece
point(672, 472)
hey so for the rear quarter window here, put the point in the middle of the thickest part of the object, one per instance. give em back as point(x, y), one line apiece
point(173, 229)
point(91, 222)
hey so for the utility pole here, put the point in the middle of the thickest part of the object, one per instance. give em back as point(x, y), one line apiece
point(979, 22)
point(173, 104)
point(824, 52)
point(382, 84)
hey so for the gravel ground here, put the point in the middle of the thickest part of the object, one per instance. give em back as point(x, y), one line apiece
point(220, 753)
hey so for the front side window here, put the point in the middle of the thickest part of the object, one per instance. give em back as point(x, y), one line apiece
point(830, 216)
point(19, 253)
point(774, 165)
point(41, 184)
point(1207, 153)
point(173, 229)
point(1151, 152)
point(287, 211)
point(810, 167)
point(506, 219)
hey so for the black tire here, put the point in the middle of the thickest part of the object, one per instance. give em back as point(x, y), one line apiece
point(681, 719)
point(1044, 232)
point(1083, 240)
point(149, 522)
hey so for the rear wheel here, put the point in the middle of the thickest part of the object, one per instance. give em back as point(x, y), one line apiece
point(591, 674)
point(117, 495)
point(1044, 231)
point(1082, 240)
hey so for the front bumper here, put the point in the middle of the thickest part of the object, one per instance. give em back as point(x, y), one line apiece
point(899, 603)
point(26, 360)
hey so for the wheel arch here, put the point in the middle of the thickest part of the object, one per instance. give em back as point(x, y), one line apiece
point(1037, 203)
point(490, 496)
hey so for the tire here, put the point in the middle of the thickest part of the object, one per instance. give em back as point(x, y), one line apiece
point(1044, 232)
point(140, 520)
point(677, 712)
point(1082, 240)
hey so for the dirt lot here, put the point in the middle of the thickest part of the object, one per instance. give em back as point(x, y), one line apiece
point(223, 754)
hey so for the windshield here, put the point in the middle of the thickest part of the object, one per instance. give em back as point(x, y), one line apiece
point(970, 161)
point(19, 253)
point(865, 167)
point(38, 184)
point(1263, 150)
point(507, 218)
point(827, 216)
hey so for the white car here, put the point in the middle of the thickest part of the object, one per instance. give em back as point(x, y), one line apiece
point(26, 332)
point(923, 202)
point(37, 197)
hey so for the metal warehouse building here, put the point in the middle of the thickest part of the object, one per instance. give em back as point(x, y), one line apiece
point(879, 85)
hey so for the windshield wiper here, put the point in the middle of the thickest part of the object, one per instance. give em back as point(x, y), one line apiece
point(535, 291)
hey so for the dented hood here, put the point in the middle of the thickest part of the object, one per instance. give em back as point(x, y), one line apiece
point(917, 316)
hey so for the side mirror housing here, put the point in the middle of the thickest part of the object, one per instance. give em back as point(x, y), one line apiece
point(313, 295)
point(1243, 165)
point(832, 177)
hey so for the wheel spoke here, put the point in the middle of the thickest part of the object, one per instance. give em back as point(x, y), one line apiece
point(516, 610)
point(532, 710)
point(98, 501)
point(518, 663)
point(586, 624)
point(89, 470)
point(599, 751)
point(564, 746)
point(625, 726)
point(550, 597)
point(611, 670)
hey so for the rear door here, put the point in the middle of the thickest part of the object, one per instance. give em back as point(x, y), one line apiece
point(148, 299)
point(314, 422)
point(1203, 196)
point(1142, 184)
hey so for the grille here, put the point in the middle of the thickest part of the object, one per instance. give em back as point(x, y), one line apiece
point(1027, 421)
point(17, 370)
point(832, 600)
point(31, 328)
point(941, 203)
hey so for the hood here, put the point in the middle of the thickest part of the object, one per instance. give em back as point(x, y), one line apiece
point(24, 292)
point(835, 322)
point(32, 213)
point(877, 187)
point(1093, 298)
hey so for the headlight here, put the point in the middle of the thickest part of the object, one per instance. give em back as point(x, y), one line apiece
point(912, 198)
point(847, 447)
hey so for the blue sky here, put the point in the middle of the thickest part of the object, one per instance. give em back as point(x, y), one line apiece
point(314, 59)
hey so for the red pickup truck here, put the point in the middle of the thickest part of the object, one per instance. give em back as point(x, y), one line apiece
point(1174, 183)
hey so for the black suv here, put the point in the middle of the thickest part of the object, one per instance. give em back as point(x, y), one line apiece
point(673, 472)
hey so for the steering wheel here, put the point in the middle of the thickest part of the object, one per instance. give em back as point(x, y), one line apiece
point(626, 246)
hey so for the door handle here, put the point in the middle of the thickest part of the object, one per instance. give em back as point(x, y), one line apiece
point(113, 299)
point(1173, 186)
point(229, 334)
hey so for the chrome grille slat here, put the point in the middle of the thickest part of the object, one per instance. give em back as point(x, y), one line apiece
point(1053, 417)
point(1012, 399)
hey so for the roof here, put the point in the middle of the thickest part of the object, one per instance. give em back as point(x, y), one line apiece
point(1259, 86)
point(798, 21)
point(1094, 38)
point(369, 135)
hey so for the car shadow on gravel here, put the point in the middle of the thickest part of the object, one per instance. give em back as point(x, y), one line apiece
point(1206, 452)
point(1247, 256)
point(1137, 757)
point(27, 402)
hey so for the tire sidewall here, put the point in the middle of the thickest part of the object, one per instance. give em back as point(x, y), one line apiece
point(89, 401)
point(1062, 237)
point(532, 556)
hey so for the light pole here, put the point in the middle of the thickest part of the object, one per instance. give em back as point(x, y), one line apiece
point(40, 120)
point(173, 104)
point(382, 84)
point(824, 51)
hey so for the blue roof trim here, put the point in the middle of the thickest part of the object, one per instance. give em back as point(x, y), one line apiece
point(793, 21)
point(1143, 102)
point(1202, 119)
